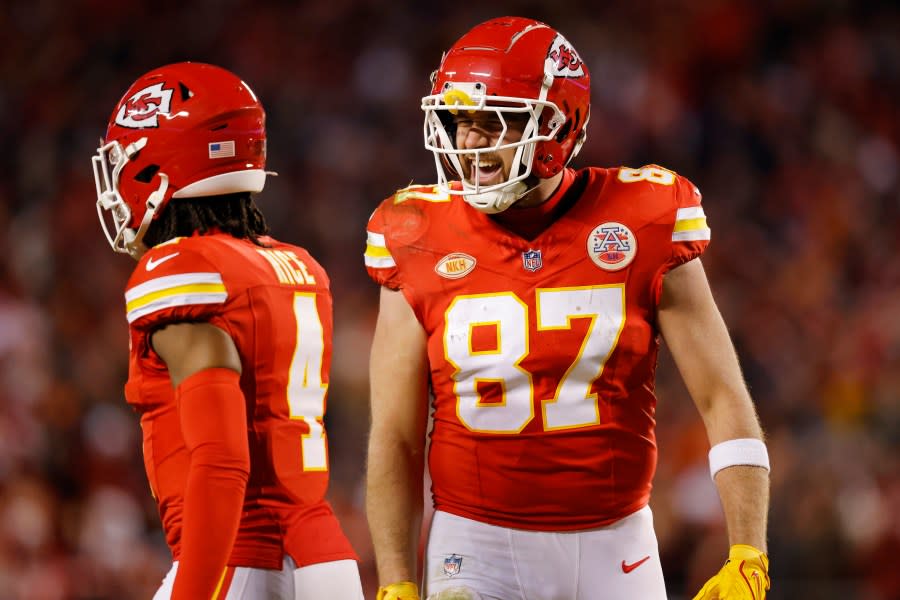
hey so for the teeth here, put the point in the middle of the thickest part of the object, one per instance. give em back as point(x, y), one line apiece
point(486, 164)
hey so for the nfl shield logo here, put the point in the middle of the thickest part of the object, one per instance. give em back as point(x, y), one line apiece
point(452, 565)
point(531, 260)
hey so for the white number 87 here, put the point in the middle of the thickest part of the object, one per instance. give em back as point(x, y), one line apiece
point(573, 404)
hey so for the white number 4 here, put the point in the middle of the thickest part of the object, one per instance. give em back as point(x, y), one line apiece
point(305, 391)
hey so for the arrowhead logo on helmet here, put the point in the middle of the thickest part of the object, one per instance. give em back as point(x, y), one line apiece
point(142, 109)
point(562, 60)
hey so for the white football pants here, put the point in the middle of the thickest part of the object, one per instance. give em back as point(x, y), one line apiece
point(337, 580)
point(470, 560)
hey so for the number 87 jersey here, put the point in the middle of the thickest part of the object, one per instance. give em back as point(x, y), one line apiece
point(542, 353)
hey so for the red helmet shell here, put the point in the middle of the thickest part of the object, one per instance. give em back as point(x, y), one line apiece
point(200, 121)
point(513, 56)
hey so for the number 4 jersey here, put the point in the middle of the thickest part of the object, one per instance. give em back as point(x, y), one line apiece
point(542, 352)
point(275, 304)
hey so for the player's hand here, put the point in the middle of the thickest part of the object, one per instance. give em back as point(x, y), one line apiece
point(405, 590)
point(745, 576)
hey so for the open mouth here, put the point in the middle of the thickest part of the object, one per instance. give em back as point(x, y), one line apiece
point(485, 171)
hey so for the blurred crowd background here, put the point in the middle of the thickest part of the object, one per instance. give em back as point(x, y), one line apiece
point(783, 112)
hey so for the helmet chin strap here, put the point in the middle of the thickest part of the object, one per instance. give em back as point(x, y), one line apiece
point(134, 239)
point(497, 201)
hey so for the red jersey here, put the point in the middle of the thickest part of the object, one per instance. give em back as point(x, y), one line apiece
point(543, 352)
point(275, 304)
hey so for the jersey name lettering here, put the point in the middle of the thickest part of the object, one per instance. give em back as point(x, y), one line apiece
point(289, 269)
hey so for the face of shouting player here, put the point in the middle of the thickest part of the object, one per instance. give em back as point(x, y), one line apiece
point(485, 129)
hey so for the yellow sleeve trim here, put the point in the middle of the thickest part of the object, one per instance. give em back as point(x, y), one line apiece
point(377, 251)
point(690, 224)
point(195, 288)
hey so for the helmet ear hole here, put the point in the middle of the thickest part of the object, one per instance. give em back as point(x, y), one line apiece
point(564, 131)
point(146, 174)
point(185, 91)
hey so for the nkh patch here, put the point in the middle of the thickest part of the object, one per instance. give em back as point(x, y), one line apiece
point(455, 265)
point(452, 565)
point(531, 260)
point(221, 149)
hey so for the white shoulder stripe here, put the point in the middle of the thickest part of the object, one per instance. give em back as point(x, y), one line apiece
point(690, 225)
point(174, 290)
point(176, 300)
point(375, 239)
point(691, 236)
point(691, 212)
point(383, 262)
point(170, 281)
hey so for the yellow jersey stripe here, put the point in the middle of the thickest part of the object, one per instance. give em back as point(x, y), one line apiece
point(176, 300)
point(170, 281)
point(198, 288)
point(690, 224)
point(377, 251)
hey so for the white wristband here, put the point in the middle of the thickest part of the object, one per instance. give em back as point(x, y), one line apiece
point(731, 453)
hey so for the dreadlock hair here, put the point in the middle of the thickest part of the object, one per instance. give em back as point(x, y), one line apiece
point(235, 214)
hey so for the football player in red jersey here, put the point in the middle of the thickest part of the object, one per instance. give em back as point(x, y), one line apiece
point(230, 345)
point(529, 299)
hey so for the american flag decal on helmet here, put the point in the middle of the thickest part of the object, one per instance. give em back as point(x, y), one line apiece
point(221, 149)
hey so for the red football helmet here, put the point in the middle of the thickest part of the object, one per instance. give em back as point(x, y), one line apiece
point(509, 65)
point(181, 131)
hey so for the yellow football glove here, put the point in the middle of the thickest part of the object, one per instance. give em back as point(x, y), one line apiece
point(745, 576)
point(405, 590)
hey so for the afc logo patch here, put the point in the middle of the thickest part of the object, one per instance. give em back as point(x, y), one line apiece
point(452, 565)
point(532, 261)
point(143, 108)
point(611, 246)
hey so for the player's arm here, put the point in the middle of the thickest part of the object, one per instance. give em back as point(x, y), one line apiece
point(697, 336)
point(396, 456)
point(205, 368)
